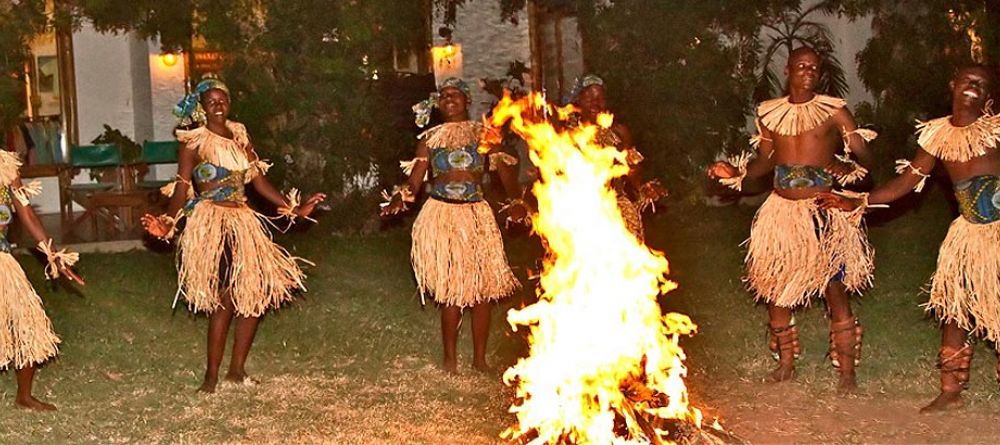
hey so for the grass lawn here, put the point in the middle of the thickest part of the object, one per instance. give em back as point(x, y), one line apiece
point(354, 360)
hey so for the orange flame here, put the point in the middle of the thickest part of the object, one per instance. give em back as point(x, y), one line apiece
point(597, 325)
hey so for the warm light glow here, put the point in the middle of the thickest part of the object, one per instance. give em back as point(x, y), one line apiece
point(444, 52)
point(605, 364)
point(447, 61)
point(168, 59)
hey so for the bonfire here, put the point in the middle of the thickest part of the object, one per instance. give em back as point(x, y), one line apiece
point(605, 365)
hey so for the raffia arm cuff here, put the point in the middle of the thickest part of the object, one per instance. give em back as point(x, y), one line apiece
point(904, 165)
point(866, 134)
point(294, 201)
point(25, 192)
point(757, 138)
point(740, 161)
point(171, 187)
point(170, 221)
point(259, 168)
point(56, 259)
point(405, 194)
point(857, 173)
point(513, 202)
point(856, 214)
point(407, 166)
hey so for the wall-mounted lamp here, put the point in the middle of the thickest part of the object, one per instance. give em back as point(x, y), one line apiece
point(445, 53)
point(447, 61)
point(168, 59)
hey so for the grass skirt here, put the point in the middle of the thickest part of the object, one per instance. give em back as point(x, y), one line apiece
point(796, 249)
point(26, 335)
point(965, 288)
point(228, 251)
point(458, 254)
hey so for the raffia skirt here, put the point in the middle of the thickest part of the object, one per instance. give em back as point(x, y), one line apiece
point(965, 288)
point(26, 335)
point(632, 216)
point(458, 255)
point(796, 249)
point(227, 252)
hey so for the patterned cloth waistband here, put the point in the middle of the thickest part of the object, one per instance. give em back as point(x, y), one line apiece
point(801, 176)
point(979, 199)
point(459, 191)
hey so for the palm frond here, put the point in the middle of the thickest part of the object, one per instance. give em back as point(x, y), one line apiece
point(834, 79)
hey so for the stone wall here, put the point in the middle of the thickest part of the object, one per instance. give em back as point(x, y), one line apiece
point(489, 45)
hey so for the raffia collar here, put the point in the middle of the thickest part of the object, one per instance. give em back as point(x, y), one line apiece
point(217, 149)
point(9, 165)
point(945, 141)
point(788, 119)
point(453, 134)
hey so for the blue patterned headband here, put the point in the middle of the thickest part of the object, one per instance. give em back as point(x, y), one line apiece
point(189, 109)
point(422, 110)
point(454, 82)
point(583, 83)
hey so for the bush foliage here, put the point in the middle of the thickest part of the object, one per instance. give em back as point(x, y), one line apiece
point(303, 72)
point(19, 23)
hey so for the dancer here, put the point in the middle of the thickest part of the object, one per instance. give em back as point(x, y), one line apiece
point(965, 289)
point(634, 195)
point(798, 251)
point(26, 336)
point(458, 254)
point(227, 264)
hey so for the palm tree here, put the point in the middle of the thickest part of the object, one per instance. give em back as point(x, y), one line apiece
point(787, 29)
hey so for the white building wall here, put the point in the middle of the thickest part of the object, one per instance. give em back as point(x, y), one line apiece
point(166, 89)
point(849, 38)
point(489, 45)
point(103, 83)
point(121, 81)
point(142, 98)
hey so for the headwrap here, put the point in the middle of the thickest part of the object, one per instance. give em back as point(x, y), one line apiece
point(581, 84)
point(422, 110)
point(454, 82)
point(189, 109)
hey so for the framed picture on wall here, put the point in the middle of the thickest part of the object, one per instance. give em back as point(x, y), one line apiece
point(47, 85)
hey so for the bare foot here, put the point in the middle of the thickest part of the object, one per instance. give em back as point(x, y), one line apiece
point(241, 378)
point(208, 386)
point(782, 372)
point(33, 404)
point(945, 401)
point(482, 367)
point(848, 384)
point(450, 366)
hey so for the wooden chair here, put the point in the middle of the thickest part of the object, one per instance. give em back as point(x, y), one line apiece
point(154, 153)
point(101, 157)
point(110, 200)
point(158, 152)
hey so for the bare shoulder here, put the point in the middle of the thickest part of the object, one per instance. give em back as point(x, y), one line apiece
point(844, 118)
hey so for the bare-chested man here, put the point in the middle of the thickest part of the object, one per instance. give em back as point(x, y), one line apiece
point(797, 250)
point(965, 289)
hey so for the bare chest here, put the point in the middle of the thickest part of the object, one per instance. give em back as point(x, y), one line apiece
point(813, 147)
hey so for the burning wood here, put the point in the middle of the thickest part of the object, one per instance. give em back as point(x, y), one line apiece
point(605, 364)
